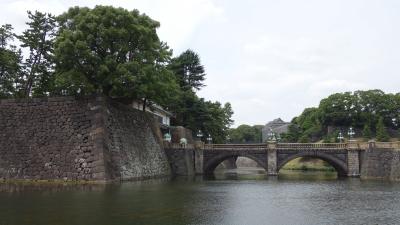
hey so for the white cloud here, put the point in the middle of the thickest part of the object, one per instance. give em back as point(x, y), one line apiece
point(178, 18)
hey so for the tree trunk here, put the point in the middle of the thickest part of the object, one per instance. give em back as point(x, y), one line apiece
point(144, 105)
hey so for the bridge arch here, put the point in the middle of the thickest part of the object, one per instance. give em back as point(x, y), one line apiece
point(339, 165)
point(213, 162)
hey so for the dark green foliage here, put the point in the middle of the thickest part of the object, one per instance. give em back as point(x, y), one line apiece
point(305, 127)
point(197, 114)
point(367, 133)
point(327, 139)
point(381, 131)
point(217, 120)
point(112, 51)
point(188, 70)
point(38, 67)
point(358, 108)
point(246, 134)
point(293, 134)
point(10, 59)
point(347, 109)
point(190, 110)
point(304, 139)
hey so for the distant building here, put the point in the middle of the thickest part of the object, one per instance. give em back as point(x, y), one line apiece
point(278, 126)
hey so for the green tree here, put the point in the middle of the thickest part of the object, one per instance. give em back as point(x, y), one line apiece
point(245, 134)
point(381, 132)
point(217, 120)
point(349, 109)
point(10, 59)
point(38, 67)
point(367, 133)
point(188, 70)
point(197, 114)
point(293, 133)
point(337, 109)
point(308, 125)
point(191, 111)
point(304, 139)
point(115, 52)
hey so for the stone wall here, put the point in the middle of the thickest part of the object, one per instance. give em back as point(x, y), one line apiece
point(182, 161)
point(134, 149)
point(66, 138)
point(380, 164)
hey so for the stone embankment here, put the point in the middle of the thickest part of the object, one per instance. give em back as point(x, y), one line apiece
point(380, 162)
point(90, 139)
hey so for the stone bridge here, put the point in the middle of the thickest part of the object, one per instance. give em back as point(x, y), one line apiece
point(203, 159)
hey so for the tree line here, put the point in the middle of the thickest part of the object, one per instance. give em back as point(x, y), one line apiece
point(109, 51)
point(372, 114)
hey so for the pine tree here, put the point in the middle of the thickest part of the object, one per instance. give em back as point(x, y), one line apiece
point(188, 70)
point(381, 132)
point(38, 67)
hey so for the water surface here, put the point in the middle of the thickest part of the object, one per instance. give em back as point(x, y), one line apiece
point(249, 197)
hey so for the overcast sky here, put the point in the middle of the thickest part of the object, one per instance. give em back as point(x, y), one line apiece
point(268, 58)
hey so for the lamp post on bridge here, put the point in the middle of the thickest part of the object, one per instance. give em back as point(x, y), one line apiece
point(209, 139)
point(271, 136)
point(167, 137)
point(199, 144)
point(351, 134)
point(199, 135)
point(340, 137)
point(352, 142)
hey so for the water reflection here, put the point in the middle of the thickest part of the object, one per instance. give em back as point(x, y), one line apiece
point(238, 197)
point(23, 187)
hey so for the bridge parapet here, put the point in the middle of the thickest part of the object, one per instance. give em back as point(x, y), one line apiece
point(236, 147)
point(169, 145)
point(386, 145)
point(288, 146)
point(313, 146)
point(282, 146)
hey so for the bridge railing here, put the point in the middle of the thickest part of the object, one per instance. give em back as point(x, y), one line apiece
point(311, 146)
point(294, 146)
point(236, 146)
point(178, 146)
point(391, 145)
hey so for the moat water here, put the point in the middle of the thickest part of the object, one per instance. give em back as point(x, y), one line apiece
point(243, 197)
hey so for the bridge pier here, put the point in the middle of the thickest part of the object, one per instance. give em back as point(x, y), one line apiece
point(272, 166)
point(198, 161)
point(353, 160)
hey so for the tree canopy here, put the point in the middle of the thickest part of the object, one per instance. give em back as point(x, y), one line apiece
point(188, 70)
point(369, 112)
point(10, 59)
point(246, 134)
point(112, 51)
point(38, 68)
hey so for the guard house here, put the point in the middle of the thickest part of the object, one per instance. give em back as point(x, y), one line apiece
point(162, 115)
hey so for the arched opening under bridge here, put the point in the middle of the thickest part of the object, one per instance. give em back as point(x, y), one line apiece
point(236, 166)
point(323, 165)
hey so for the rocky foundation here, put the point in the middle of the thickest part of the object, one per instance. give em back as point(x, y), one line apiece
point(89, 139)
